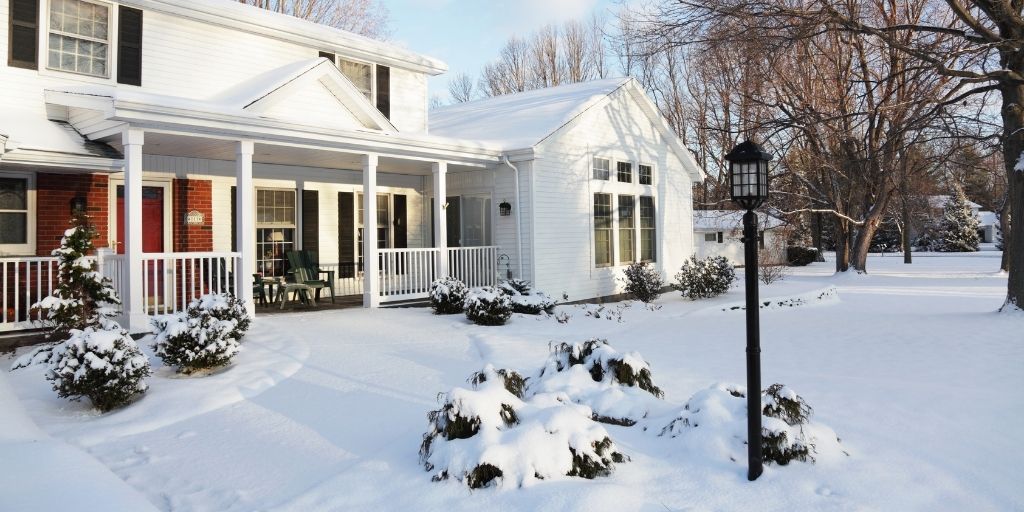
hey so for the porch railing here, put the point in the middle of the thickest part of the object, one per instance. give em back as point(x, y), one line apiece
point(406, 273)
point(475, 266)
point(25, 281)
point(171, 280)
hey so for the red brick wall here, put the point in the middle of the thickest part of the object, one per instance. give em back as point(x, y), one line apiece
point(193, 195)
point(53, 206)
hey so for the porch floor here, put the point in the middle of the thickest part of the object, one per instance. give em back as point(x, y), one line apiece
point(324, 304)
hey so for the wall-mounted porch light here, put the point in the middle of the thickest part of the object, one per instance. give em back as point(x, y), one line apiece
point(504, 209)
point(78, 205)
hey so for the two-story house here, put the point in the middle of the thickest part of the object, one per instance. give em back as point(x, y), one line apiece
point(207, 138)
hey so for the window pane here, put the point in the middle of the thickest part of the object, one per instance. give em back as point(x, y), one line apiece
point(625, 172)
point(602, 168)
point(602, 229)
point(645, 174)
point(13, 228)
point(627, 224)
point(359, 74)
point(709, 237)
point(13, 194)
point(648, 233)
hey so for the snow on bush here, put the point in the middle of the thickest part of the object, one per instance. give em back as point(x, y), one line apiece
point(643, 282)
point(83, 297)
point(617, 387)
point(488, 305)
point(447, 295)
point(487, 436)
point(800, 256)
point(103, 365)
point(525, 299)
point(714, 421)
point(204, 336)
point(958, 229)
point(705, 278)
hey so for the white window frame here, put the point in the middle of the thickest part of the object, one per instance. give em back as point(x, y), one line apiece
point(373, 75)
point(110, 41)
point(357, 206)
point(593, 168)
point(645, 164)
point(294, 226)
point(29, 247)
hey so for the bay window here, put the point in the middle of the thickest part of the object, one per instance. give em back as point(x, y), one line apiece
point(79, 37)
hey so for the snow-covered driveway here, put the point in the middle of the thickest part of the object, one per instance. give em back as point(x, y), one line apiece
point(325, 410)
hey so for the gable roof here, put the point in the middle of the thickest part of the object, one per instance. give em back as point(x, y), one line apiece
point(727, 220)
point(524, 120)
point(29, 131)
point(255, 96)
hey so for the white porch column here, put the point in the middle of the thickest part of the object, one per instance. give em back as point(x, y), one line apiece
point(440, 171)
point(133, 300)
point(245, 223)
point(371, 281)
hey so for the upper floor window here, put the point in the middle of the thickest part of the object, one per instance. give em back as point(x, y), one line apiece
point(625, 172)
point(360, 74)
point(79, 37)
point(602, 168)
point(645, 174)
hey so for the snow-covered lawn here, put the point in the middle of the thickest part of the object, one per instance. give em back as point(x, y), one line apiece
point(910, 365)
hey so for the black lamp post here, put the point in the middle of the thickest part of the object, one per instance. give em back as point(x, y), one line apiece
point(748, 185)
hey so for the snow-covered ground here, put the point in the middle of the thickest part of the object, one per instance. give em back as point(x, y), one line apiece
point(910, 365)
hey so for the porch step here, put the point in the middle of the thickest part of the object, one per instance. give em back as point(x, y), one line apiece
point(409, 303)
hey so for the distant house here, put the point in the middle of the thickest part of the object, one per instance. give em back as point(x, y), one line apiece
point(720, 233)
point(988, 222)
point(210, 140)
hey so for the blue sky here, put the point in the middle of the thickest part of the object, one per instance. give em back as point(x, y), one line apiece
point(466, 34)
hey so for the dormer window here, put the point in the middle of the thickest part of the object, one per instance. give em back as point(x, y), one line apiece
point(79, 37)
point(360, 74)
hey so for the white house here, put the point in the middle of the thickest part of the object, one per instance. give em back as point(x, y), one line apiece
point(208, 138)
point(720, 233)
point(988, 222)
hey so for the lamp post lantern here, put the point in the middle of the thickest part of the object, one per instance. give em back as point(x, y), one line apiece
point(748, 186)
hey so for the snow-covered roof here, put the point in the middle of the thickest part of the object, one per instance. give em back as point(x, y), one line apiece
point(520, 120)
point(321, 37)
point(727, 220)
point(938, 202)
point(30, 130)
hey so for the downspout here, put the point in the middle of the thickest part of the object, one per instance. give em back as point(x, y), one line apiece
point(519, 233)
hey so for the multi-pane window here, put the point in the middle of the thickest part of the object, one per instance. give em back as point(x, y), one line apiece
point(275, 230)
point(648, 229)
point(645, 174)
point(383, 224)
point(13, 211)
point(602, 169)
point(627, 229)
point(360, 74)
point(603, 230)
point(625, 172)
point(709, 237)
point(79, 37)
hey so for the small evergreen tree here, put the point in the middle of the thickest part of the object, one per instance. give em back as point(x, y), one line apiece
point(83, 297)
point(958, 230)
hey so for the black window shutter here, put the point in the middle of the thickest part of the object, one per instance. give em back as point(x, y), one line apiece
point(453, 218)
point(346, 234)
point(329, 56)
point(384, 90)
point(24, 34)
point(401, 221)
point(311, 221)
point(129, 46)
point(234, 225)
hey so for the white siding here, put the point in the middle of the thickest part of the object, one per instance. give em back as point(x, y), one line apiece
point(732, 246)
point(564, 190)
point(191, 59)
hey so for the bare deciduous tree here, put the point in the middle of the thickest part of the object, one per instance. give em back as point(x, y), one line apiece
point(461, 88)
point(364, 17)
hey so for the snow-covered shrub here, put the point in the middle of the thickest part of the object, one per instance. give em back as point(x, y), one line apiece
point(488, 305)
point(82, 297)
point(643, 282)
point(525, 299)
point(103, 365)
point(618, 388)
point(714, 422)
point(488, 436)
point(799, 256)
point(447, 295)
point(705, 278)
point(204, 336)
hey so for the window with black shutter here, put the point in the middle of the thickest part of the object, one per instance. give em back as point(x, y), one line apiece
point(346, 235)
point(24, 34)
point(384, 90)
point(129, 46)
point(311, 221)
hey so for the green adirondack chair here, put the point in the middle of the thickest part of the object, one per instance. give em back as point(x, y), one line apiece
point(307, 272)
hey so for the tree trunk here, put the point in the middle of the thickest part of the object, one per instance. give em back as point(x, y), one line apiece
point(907, 257)
point(842, 245)
point(1013, 146)
point(1004, 230)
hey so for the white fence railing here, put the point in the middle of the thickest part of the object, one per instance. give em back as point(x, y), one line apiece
point(24, 282)
point(171, 280)
point(406, 273)
point(475, 266)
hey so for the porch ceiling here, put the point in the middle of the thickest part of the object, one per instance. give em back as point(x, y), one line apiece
point(176, 145)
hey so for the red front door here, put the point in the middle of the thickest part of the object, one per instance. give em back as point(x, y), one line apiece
point(152, 219)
